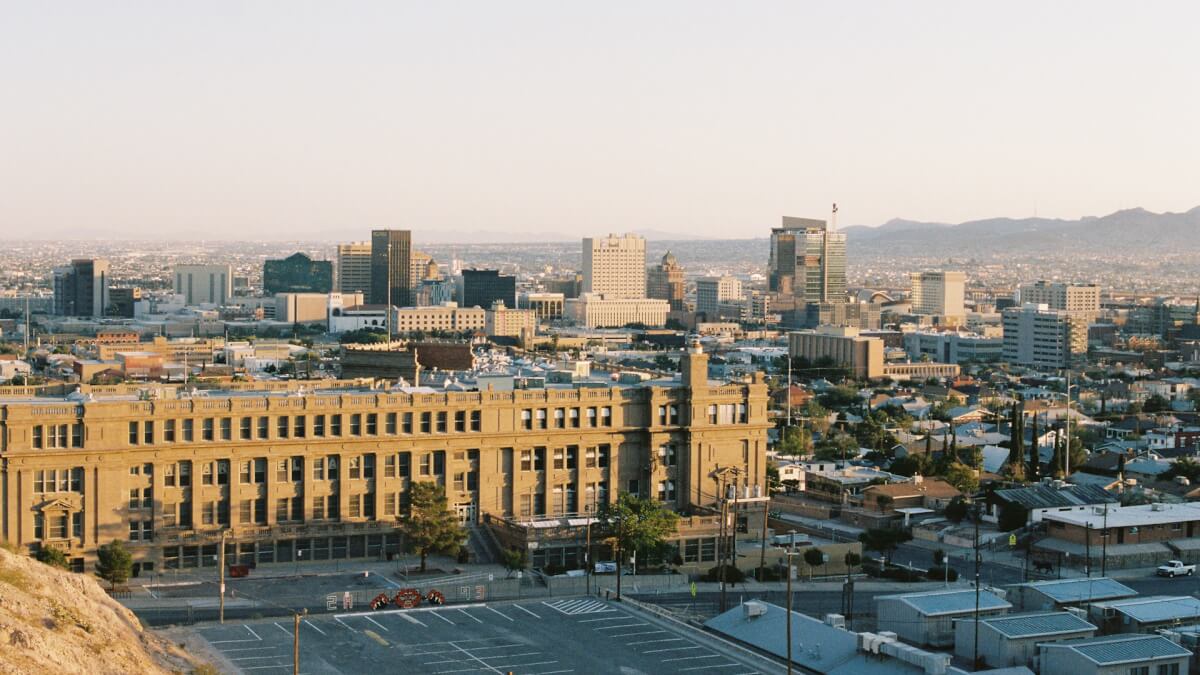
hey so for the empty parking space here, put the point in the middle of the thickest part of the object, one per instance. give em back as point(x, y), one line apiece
point(576, 635)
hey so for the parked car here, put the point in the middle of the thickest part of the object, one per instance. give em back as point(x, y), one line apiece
point(1176, 568)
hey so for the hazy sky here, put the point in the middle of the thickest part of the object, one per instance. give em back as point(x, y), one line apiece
point(276, 119)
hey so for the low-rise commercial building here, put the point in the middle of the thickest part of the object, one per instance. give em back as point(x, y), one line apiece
point(593, 310)
point(501, 321)
point(927, 618)
point(546, 306)
point(953, 347)
point(1060, 593)
point(1116, 655)
point(1144, 614)
point(1014, 640)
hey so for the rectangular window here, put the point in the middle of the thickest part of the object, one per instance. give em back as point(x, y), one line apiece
point(368, 467)
point(472, 480)
point(573, 415)
point(355, 468)
point(264, 428)
point(39, 481)
point(389, 466)
point(299, 426)
point(560, 418)
point(135, 530)
point(185, 514)
point(602, 456)
point(282, 510)
point(335, 425)
point(572, 457)
point(407, 427)
point(318, 508)
point(246, 512)
point(207, 428)
point(527, 460)
point(539, 459)
point(559, 459)
point(606, 416)
point(244, 474)
point(460, 481)
point(390, 424)
point(332, 507)
point(591, 417)
point(39, 526)
point(77, 524)
point(185, 474)
point(404, 469)
point(539, 504)
point(245, 428)
point(169, 431)
point(634, 487)
point(169, 476)
point(222, 472)
point(712, 413)
point(64, 480)
point(355, 506)
point(318, 465)
point(260, 470)
point(37, 438)
point(662, 415)
point(460, 421)
point(148, 432)
point(372, 424)
point(476, 418)
point(319, 426)
point(389, 503)
point(426, 464)
point(439, 462)
point(226, 429)
point(589, 458)
point(526, 506)
point(135, 498)
point(297, 509)
point(260, 511)
point(223, 513)
point(667, 454)
point(527, 419)
point(356, 424)
point(441, 421)
point(188, 427)
point(333, 470)
point(425, 422)
point(147, 497)
point(281, 471)
point(297, 469)
point(133, 433)
point(282, 426)
point(208, 513)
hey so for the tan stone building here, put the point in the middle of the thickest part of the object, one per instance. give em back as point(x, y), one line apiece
point(299, 474)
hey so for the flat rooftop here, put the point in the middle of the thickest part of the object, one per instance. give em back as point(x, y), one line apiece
point(1128, 516)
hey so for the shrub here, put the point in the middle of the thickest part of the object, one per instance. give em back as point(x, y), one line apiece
point(902, 574)
point(772, 573)
point(732, 574)
point(939, 574)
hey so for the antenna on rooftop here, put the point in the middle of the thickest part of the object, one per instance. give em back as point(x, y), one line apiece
point(833, 219)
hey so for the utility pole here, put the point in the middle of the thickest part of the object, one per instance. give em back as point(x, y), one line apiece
point(1067, 449)
point(790, 553)
point(762, 551)
point(1087, 540)
point(1104, 544)
point(296, 644)
point(789, 390)
point(221, 570)
point(587, 556)
point(975, 662)
point(723, 543)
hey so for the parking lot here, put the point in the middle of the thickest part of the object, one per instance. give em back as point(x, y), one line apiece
point(572, 635)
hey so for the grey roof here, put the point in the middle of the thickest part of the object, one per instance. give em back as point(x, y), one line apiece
point(1113, 650)
point(816, 646)
point(1035, 625)
point(1157, 608)
point(936, 603)
point(1049, 497)
point(1067, 591)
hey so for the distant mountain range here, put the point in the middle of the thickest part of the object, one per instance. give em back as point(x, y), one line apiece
point(1130, 229)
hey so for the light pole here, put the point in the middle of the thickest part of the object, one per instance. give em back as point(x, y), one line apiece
point(791, 552)
point(221, 571)
point(296, 643)
point(587, 554)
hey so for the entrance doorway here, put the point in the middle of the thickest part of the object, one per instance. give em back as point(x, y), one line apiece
point(466, 512)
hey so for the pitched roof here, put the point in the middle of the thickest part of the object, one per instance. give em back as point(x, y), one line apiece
point(1114, 649)
point(1043, 496)
point(1157, 608)
point(1067, 591)
point(1037, 625)
point(929, 487)
point(937, 603)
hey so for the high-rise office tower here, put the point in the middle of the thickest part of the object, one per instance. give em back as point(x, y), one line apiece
point(712, 292)
point(938, 293)
point(1079, 300)
point(664, 281)
point(1040, 336)
point(481, 288)
point(204, 284)
point(808, 261)
point(615, 266)
point(391, 268)
point(81, 288)
point(354, 268)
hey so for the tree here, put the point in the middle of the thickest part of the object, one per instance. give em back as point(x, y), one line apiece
point(637, 524)
point(1012, 517)
point(430, 526)
point(956, 510)
point(884, 540)
point(1156, 403)
point(939, 558)
point(883, 501)
point(852, 560)
point(813, 557)
point(53, 557)
point(795, 441)
point(912, 464)
point(962, 477)
point(514, 560)
point(114, 564)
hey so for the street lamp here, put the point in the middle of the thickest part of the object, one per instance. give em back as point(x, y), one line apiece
point(790, 552)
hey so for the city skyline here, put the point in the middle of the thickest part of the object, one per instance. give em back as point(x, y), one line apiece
point(679, 118)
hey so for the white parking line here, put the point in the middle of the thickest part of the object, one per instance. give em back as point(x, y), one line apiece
point(672, 649)
point(646, 642)
point(242, 649)
point(645, 632)
point(556, 672)
point(606, 618)
point(285, 631)
point(719, 665)
point(375, 622)
point(444, 618)
point(529, 612)
point(476, 658)
point(693, 658)
point(256, 637)
point(469, 616)
point(500, 613)
point(623, 625)
point(344, 625)
point(411, 619)
point(312, 626)
point(536, 663)
point(266, 667)
point(253, 658)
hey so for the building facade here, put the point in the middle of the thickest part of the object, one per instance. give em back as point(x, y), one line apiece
point(81, 288)
point(712, 292)
point(297, 273)
point(547, 306)
point(1080, 300)
point(615, 266)
point(391, 268)
point(204, 284)
point(483, 288)
point(808, 261)
point(1040, 337)
point(939, 294)
point(597, 311)
point(953, 347)
point(318, 474)
point(863, 356)
point(664, 281)
point(354, 268)
point(501, 321)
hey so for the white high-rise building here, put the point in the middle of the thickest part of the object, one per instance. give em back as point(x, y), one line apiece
point(615, 266)
point(204, 284)
point(1038, 336)
point(1080, 300)
point(354, 268)
point(938, 293)
point(712, 292)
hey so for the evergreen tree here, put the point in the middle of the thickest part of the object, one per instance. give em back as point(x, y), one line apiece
point(1035, 458)
point(953, 443)
point(1056, 462)
point(1014, 448)
point(113, 563)
point(431, 527)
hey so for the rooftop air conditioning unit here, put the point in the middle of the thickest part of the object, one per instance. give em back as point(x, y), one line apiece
point(753, 610)
point(835, 620)
point(1156, 507)
point(888, 635)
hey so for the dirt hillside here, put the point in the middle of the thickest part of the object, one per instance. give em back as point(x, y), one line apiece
point(53, 621)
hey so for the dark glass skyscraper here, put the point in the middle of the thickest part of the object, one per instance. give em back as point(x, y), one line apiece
point(391, 273)
point(481, 288)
